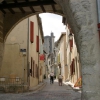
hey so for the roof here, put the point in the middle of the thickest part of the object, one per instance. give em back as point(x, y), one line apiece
point(41, 29)
point(34, 6)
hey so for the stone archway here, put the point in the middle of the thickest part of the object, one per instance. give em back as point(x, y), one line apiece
point(81, 16)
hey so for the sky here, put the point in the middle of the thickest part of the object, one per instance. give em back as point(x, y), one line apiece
point(52, 23)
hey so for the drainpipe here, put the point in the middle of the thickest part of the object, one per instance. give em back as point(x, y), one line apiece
point(38, 57)
point(98, 12)
point(28, 77)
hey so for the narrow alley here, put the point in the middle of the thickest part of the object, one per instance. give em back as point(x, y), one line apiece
point(49, 92)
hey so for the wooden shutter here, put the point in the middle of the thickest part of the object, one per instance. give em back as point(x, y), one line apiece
point(37, 43)
point(73, 66)
point(71, 45)
point(36, 71)
point(31, 66)
point(71, 70)
point(31, 31)
point(99, 30)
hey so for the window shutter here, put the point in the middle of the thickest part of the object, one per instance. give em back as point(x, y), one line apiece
point(33, 68)
point(31, 31)
point(73, 66)
point(36, 71)
point(37, 43)
point(99, 30)
point(71, 70)
point(31, 65)
point(71, 45)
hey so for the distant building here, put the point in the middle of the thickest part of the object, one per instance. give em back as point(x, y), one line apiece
point(49, 48)
point(49, 43)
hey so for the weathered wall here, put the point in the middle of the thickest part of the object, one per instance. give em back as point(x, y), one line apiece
point(32, 51)
point(19, 38)
point(82, 17)
point(13, 60)
point(11, 20)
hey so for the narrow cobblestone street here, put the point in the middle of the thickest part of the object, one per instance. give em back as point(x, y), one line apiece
point(49, 92)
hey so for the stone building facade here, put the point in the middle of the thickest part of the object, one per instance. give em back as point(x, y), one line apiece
point(73, 60)
point(21, 54)
point(61, 56)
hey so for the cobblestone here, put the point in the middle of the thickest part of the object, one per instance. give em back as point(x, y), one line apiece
point(49, 92)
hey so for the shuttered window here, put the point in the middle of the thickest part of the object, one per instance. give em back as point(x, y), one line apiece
point(71, 45)
point(33, 69)
point(31, 31)
point(37, 43)
point(99, 30)
point(31, 66)
point(72, 67)
point(36, 71)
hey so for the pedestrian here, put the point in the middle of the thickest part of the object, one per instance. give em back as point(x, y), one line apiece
point(60, 79)
point(51, 77)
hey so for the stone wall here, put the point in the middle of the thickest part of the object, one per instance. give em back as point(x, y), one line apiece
point(82, 17)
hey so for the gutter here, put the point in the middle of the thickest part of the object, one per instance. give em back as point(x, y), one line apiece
point(28, 77)
point(38, 54)
point(98, 10)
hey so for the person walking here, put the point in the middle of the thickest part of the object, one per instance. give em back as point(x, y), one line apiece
point(60, 79)
point(51, 77)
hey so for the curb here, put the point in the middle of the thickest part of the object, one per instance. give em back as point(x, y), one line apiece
point(38, 87)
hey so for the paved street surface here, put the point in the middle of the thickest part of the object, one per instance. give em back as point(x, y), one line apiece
point(49, 92)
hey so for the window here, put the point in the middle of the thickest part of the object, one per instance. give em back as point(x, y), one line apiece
point(36, 71)
point(31, 31)
point(72, 67)
point(31, 66)
point(37, 43)
point(71, 45)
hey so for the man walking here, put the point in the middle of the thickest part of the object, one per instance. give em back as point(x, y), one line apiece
point(51, 77)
